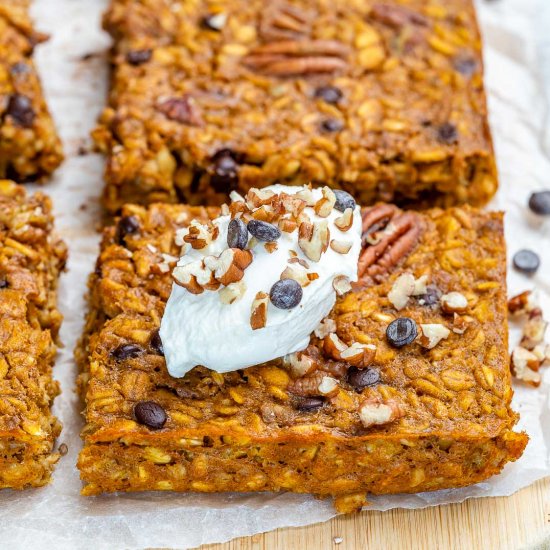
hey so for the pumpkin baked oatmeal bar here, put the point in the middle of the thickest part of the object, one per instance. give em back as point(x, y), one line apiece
point(30, 148)
point(424, 406)
point(383, 99)
point(31, 258)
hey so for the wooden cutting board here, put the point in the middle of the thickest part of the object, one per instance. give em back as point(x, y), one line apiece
point(519, 522)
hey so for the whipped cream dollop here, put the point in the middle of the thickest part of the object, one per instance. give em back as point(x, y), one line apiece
point(235, 306)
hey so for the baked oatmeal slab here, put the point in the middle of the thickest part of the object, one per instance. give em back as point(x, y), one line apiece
point(31, 258)
point(383, 99)
point(30, 148)
point(432, 414)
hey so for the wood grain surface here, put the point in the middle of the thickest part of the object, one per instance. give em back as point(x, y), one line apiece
point(521, 521)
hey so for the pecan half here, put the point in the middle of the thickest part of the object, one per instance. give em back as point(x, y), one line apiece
point(393, 246)
point(397, 16)
point(298, 57)
point(283, 21)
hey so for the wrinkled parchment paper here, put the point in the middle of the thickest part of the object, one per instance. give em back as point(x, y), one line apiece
point(74, 70)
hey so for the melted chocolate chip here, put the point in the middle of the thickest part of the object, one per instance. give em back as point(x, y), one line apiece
point(156, 343)
point(138, 57)
point(127, 351)
point(431, 297)
point(332, 125)
point(539, 203)
point(263, 231)
point(19, 68)
point(447, 133)
point(401, 332)
point(362, 378)
point(286, 294)
point(329, 94)
point(310, 404)
point(237, 234)
point(466, 66)
point(526, 261)
point(127, 225)
point(343, 200)
point(21, 111)
point(150, 414)
point(225, 171)
point(3, 283)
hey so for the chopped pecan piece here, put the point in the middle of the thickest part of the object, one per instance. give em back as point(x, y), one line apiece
point(181, 109)
point(377, 412)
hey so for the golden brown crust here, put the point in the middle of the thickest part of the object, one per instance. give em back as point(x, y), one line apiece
point(30, 148)
point(245, 108)
point(454, 422)
point(31, 258)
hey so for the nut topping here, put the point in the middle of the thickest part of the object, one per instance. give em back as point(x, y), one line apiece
point(341, 285)
point(263, 231)
point(313, 239)
point(342, 247)
point(377, 260)
point(232, 292)
point(298, 57)
point(326, 326)
point(454, 302)
point(258, 318)
point(376, 412)
point(432, 334)
point(328, 386)
point(323, 207)
point(345, 221)
point(300, 364)
point(229, 266)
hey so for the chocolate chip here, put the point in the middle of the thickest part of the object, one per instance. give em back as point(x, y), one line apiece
point(431, 297)
point(19, 68)
point(138, 57)
point(362, 378)
point(329, 94)
point(286, 294)
point(225, 177)
point(237, 234)
point(214, 21)
point(526, 261)
point(447, 133)
point(539, 203)
point(126, 351)
point(263, 231)
point(343, 200)
point(150, 414)
point(3, 283)
point(466, 66)
point(156, 343)
point(310, 404)
point(21, 111)
point(127, 225)
point(401, 332)
point(181, 109)
point(332, 125)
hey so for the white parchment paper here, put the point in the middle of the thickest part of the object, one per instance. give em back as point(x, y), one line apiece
point(74, 70)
